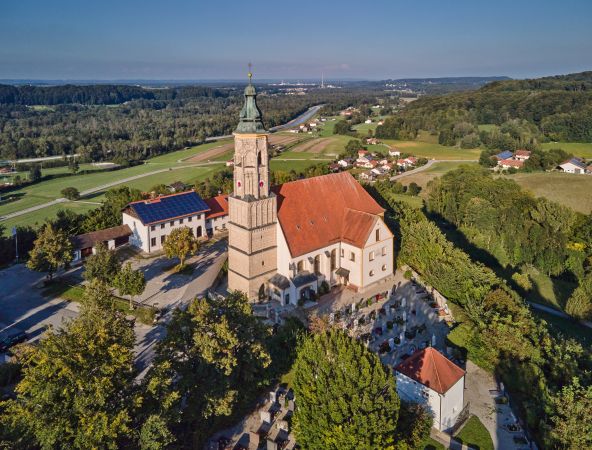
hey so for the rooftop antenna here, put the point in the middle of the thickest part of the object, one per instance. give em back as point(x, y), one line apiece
point(322, 80)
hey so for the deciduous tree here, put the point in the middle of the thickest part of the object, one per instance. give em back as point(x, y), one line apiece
point(51, 250)
point(180, 243)
point(102, 266)
point(130, 282)
point(346, 398)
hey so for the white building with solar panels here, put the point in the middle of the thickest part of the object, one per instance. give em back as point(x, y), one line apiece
point(152, 220)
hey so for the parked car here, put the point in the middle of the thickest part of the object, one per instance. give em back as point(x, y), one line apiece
point(11, 337)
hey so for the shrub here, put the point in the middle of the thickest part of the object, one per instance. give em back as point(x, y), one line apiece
point(71, 193)
point(522, 280)
point(408, 274)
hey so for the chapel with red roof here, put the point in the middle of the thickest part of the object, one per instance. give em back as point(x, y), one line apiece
point(286, 241)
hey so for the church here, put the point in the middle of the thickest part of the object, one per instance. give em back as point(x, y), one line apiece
point(287, 241)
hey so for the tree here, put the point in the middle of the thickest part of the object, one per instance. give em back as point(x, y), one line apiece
point(77, 387)
point(346, 398)
point(71, 193)
point(180, 243)
point(130, 282)
point(413, 188)
point(73, 165)
point(103, 265)
point(35, 173)
point(51, 250)
point(342, 127)
point(154, 434)
point(212, 359)
point(572, 421)
point(579, 304)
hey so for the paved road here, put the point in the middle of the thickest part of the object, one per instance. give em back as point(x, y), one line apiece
point(23, 306)
point(558, 313)
point(305, 116)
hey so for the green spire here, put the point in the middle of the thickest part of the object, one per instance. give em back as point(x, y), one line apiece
point(250, 116)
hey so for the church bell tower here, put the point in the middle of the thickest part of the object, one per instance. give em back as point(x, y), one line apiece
point(252, 256)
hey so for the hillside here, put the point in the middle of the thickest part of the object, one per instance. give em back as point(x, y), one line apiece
point(559, 107)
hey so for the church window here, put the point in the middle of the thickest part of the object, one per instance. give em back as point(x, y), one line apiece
point(317, 264)
point(342, 253)
point(162, 226)
point(352, 256)
point(371, 273)
point(383, 251)
point(333, 259)
point(300, 266)
point(377, 235)
point(153, 242)
point(371, 256)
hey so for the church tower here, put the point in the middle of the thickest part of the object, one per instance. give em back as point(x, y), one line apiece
point(252, 256)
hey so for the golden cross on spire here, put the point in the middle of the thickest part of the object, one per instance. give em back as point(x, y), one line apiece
point(250, 74)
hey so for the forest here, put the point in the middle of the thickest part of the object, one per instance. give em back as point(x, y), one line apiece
point(547, 374)
point(524, 113)
point(129, 123)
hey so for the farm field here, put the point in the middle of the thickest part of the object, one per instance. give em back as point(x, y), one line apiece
point(24, 174)
point(431, 150)
point(581, 149)
point(568, 189)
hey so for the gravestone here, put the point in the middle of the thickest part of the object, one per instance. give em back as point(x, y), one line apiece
point(272, 397)
point(353, 308)
point(265, 416)
point(391, 342)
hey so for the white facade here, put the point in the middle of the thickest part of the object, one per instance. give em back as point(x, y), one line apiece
point(570, 167)
point(366, 266)
point(216, 224)
point(444, 408)
point(150, 238)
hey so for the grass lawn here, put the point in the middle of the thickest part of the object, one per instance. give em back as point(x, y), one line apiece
point(431, 444)
point(548, 291)
point(63, 290)
point(414, 201)
point(36, 218)
point(567, 327)
point(581, 149)
point(437, 169)
point(475, 435)
point(574, 191)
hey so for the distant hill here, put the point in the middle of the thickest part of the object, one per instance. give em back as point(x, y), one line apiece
point(430, 86)
point(560, 107)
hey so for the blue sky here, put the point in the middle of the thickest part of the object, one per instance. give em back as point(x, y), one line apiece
point(214, 39)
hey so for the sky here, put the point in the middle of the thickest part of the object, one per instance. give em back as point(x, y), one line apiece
point(342, 39)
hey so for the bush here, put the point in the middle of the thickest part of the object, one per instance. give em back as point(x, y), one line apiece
point(408, 274)
point(71, 193)
point(522, 280)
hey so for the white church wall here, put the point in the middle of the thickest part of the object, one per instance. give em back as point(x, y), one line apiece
point(377, 255)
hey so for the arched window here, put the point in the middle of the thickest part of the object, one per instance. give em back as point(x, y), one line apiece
point(333, 259)
point(300, 266)
point(371, 273)
point(317, 264)
point(258, 159)
point(198, 231)
point(384, 267)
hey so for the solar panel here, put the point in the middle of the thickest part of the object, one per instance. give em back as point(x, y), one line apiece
point(168, 207)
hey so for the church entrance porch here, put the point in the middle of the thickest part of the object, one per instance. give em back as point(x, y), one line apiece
point(343, 276)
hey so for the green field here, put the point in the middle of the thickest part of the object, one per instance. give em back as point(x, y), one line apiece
point(574, 191)
point(431, 150)
point(38, 217)
point(437, 169)
point(581, 149)
point(475, 435)
point(548, 291)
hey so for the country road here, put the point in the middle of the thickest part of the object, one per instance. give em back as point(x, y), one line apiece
point(299, 119)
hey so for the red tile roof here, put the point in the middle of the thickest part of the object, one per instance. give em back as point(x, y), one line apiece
point(218, 206)
point(316, 212)
point(511, 163)
point(522, 153)
point(432, 369)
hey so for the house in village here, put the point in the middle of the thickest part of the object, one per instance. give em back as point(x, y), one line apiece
point(152, 220)
point(504, 155)
point(522, 155)
point(394, 152)
point(366, 176)
point(345, 163)
point(368, 121)
point(372, 141)
point(574, 165)
point(429, 378)
point(510, 163)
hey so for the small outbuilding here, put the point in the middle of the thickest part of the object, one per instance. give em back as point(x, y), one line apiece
point(429, 378)
point(85, 244)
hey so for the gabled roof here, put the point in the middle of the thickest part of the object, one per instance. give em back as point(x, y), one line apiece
point(432, 369)
point(504, 155)
point(91, 239)
point(218, 206)
point(312, 211)
point(576, 162)
point(511, 163)
point(357, 226)
point(168, 207)
point(522, 153)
